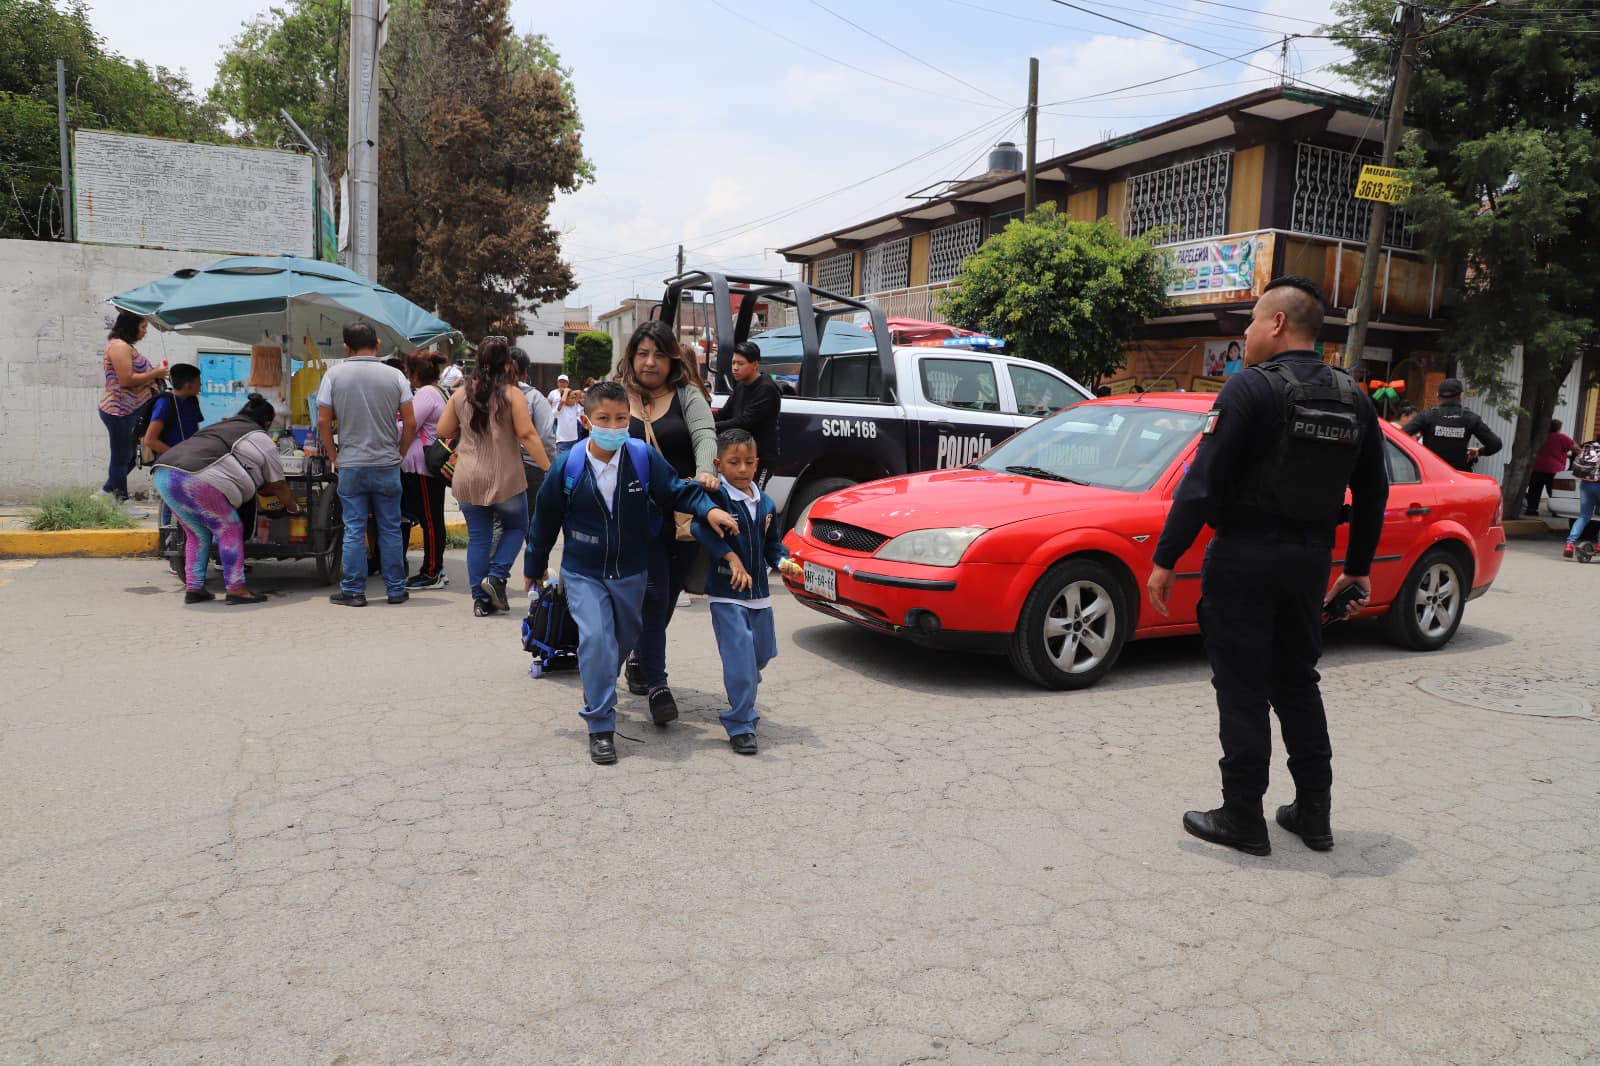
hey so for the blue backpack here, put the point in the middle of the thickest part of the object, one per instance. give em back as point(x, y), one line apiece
point(638, 453)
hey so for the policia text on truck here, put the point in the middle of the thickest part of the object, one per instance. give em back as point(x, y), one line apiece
point(1278, 449)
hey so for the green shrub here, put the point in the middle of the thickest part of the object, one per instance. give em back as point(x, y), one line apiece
point(452, 539)
point(78, 509)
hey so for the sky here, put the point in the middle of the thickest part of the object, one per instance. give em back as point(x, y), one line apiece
point(736, 128)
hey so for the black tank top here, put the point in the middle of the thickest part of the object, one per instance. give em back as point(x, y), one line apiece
point(672, 437)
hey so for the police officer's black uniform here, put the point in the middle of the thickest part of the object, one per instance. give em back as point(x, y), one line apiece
point(1446, 429)
point(1274, 493)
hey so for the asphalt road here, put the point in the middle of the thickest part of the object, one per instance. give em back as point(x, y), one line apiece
point(303, 834)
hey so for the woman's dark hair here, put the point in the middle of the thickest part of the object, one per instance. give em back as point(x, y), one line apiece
point(126, 327)
point(425, 367)
point(685, 368)
point(486, 392)
point(523, 363)
point(258, 409)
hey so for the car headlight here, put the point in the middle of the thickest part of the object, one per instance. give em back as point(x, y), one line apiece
point(932, 547)
point(802, 521)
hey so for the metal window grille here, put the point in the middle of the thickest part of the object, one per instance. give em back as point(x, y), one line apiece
point(1000, 222)
point(836, 273)
point(886, 266)
point(1186, 202)
point(1324, 200)
point(949, 246)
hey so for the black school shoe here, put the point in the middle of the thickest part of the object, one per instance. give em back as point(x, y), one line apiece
point(663, 708)
point(347, 599)
point(1229, 828)
point(633, 670)
point(743, 743)
point(603, 748)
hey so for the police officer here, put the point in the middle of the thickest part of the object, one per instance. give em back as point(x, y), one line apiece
point(1285, 437)
point(1447, 428)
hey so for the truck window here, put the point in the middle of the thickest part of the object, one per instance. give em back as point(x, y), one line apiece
point(965, 384)
point(854, 376)
point(1039, 393)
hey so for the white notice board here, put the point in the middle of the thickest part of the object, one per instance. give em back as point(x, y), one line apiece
point(155, 193)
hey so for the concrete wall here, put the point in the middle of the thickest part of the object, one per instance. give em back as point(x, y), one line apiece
point(53, 321)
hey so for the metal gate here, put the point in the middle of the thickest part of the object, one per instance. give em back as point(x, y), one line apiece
point(1569, 402)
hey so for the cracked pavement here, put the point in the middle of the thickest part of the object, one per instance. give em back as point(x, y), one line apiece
point(296, 834)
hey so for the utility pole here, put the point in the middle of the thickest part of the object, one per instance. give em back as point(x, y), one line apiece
point(680, 261)
point(1030, 195)
point(361, 164)
point(1410, 21)
point(66, 168)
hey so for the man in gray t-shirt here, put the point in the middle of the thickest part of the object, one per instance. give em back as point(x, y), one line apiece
point(372, 403)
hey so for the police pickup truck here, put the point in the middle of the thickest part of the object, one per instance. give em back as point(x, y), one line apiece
point(864, 408)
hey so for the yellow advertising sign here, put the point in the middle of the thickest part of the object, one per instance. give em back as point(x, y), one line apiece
point(1384, 184)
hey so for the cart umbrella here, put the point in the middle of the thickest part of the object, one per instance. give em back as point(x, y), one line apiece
point(246, 299)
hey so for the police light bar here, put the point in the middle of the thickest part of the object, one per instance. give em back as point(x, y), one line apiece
point(960, 342)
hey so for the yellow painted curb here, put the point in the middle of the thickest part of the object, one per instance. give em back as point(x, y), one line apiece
point(114, 543)
point(96, 543)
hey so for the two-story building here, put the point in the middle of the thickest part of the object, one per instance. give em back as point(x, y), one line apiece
point(1241, 192)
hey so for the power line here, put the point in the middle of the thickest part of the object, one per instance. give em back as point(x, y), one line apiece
point(885, 41)
point(1175, 40)
point(848, 66)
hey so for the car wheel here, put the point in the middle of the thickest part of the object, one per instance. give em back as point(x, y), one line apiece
point(1427, 610)
point(1072, 626)
point(811, 494)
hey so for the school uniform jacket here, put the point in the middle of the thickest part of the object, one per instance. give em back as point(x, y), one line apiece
point(601, 543)
point(759, 547)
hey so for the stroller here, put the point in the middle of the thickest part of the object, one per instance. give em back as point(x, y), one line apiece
point(549, 633)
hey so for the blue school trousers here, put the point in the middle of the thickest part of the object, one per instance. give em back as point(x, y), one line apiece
point(609, 614)
point(747, 642)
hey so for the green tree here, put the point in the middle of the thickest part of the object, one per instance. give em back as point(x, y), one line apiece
point(294, 58)
point(104, 91)
point(479, 130)
point(1506, 186)
point(589, 356)
point(1067, 294)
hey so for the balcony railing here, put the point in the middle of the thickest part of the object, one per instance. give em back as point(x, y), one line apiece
point(1407, 284)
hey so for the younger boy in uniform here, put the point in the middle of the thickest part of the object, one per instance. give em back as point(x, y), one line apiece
point(174, 419)
point(609, 497)
point(736, 585)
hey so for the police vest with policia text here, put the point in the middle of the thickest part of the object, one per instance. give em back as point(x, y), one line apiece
point(1303, 477)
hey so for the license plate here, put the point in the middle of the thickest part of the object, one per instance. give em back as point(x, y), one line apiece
point(822, 581)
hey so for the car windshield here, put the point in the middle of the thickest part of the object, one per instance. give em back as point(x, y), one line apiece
point(1112, 446)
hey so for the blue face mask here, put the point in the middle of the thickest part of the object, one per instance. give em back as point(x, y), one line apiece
point(609, 440)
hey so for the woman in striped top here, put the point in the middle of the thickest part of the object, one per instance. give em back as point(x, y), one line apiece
point(130, 384)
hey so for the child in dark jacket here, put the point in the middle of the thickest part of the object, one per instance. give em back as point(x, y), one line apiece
point(736, 583)
point(608, 496)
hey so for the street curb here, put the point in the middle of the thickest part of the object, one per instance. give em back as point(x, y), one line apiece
point(112, 543)
point(1526, 529)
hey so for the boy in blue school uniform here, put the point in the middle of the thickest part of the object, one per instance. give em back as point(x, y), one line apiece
point(608, 495)
point(736, 583)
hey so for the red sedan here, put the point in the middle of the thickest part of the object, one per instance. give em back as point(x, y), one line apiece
point(1040, 550)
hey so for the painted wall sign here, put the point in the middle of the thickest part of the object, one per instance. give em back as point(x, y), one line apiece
point(154, 193)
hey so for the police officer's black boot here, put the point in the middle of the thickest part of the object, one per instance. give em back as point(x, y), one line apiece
point(1235, 824)
point(1308, 818)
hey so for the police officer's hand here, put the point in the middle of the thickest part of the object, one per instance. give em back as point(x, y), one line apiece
point(1344, 582)
point(1159, 587)
point(1473, 453)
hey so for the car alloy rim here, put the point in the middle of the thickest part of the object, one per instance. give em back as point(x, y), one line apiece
point(1079, 627)
point(1438, 600)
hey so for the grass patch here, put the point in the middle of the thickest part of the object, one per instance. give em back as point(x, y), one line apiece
point(78, 509)
point(453, 539)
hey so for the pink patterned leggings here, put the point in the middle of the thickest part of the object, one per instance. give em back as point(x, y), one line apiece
point(206, 516)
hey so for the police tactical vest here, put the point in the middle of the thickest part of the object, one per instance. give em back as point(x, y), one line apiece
point(1304, 475)
point(1445, 435)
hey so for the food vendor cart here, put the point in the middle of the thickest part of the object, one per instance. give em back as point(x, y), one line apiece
point(291, 312)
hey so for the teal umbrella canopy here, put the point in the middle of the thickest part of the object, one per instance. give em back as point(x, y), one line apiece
point(280, 299)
